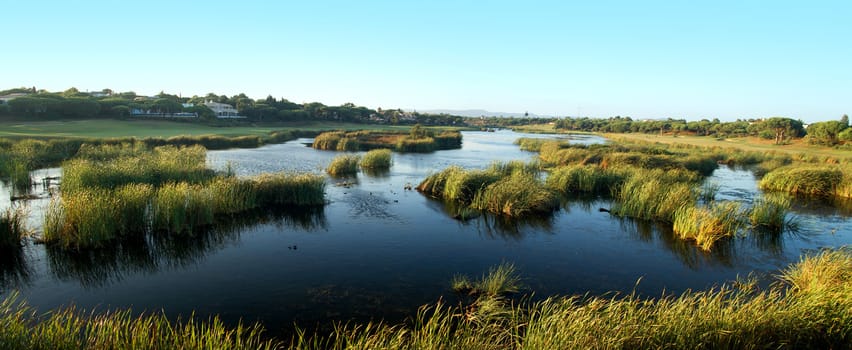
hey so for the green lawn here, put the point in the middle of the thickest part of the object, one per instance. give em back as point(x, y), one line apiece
point(743, 143)
point(160, 128)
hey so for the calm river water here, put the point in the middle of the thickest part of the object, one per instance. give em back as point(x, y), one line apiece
point(377, 251)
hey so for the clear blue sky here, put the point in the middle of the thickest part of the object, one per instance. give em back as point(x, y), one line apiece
point(645, 59)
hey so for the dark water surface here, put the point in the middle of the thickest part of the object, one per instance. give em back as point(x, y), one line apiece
point(379, 251)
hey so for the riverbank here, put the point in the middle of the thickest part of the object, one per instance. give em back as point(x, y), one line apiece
point(112, 128)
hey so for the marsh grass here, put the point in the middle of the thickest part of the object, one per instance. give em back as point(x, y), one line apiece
point(435, 184)
point(85, 218)
point(12, 227)
point(499, 280)
point(448, 140)
point(22, 327)
point(515, 166)
point(230, 195)
point(348, 144)
point(289, 189)
point(343, 165)
point(805, 180)
point(770, 212)
point(531, 144)
point(39, 153)
point(708, 224)
point(132, 207)
point(155, 167)
point(327, 140)
point(418, 145)
point(516, 195)
point(377, 159)
point(653, 196)
point(93, 216)
point(366, 140)
point(462, 186)
point(585, 179)
point(181, 207)
point(769, 165)
point(708, 192)
point(808, 308)
point(511, 189)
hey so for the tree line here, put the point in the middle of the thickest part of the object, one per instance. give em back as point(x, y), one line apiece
point(74, 104)
point(778, 129)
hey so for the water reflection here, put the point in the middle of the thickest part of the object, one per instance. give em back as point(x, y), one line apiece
point(14, 271)
point(493, 226)
point(687, 252)
point(95, 268)
point(377, 173)
point(824, 207)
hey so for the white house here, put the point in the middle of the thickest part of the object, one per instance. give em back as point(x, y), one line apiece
point(222, 110)
point(6, 98)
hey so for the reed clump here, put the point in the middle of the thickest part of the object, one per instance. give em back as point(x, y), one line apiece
point(805, 180)
point(708, 224)
point(557, 153)
point(770, 212)
point(117, 190)
point(155, 167)
point(435, 184)
point(499, 280)
point(586, 179)
point(377, 159)
point(516, 195)
point(512, 189)
point(422, 140)
point(12, 227)
point(462, 186)
point(448, 140)
point(348, 144)
point(531, 144)
point(418, 145)
point(654, 195)
point(181, 207)
point(344, 164)
point(288, 189)
point(90, 217)
point(84, 218)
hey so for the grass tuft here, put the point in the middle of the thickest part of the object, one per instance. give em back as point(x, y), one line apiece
point(708, 225)
point(343, 165)
point(770, 212)
point(516, 195)
point(377, 159)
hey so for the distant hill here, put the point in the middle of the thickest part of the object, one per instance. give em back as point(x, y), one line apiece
point(479, 113)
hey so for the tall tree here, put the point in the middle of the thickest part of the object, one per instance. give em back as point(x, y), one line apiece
point(784, 128)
